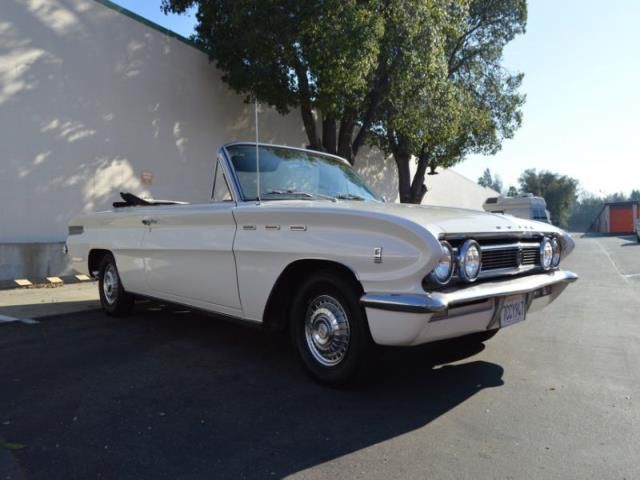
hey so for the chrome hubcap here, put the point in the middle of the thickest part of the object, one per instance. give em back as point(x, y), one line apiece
point(327, 330)
point(110, 284)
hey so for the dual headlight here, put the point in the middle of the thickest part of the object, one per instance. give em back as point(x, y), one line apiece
point(468, 262)
point(550, 250)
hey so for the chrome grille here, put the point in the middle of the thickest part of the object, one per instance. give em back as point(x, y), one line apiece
point(530, 256)
point(508, 258)
point(501, 256)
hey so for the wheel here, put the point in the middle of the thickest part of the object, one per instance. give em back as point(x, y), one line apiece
point(480, 337)
point(115, 301)
point(329, 329)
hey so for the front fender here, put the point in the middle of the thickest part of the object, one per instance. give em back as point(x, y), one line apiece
point(266, 244)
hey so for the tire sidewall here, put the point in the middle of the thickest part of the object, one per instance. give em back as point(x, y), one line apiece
point(123, 301)
point(360, 338)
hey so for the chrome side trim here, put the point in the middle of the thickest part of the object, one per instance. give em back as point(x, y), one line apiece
point(440, 301)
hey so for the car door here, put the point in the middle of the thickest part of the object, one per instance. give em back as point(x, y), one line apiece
point(189, 252)
point(124, 234)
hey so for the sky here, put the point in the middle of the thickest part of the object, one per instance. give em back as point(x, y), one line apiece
point(581, 60)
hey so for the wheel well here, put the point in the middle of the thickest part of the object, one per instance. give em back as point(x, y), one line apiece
point(95, 257)
point(276, 312)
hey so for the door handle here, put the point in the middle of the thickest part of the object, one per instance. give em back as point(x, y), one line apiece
point(148, 221)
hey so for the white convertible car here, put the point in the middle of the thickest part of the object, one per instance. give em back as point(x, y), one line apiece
point(306, 246)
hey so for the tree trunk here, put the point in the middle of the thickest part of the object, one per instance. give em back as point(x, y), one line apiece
point(310, 126)
point(418, 188)
point(329, 135)
point(306, 109)
point(404, 176)
point(347, 124)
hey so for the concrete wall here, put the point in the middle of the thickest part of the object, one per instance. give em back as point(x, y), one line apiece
point(90, 99)
point(34, 261)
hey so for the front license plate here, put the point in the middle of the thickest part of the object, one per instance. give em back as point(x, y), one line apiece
point(513, 311)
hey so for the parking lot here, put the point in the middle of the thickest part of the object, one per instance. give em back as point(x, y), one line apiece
point(172, 394)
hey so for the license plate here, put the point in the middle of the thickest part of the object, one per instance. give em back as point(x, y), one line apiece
point(513, 311)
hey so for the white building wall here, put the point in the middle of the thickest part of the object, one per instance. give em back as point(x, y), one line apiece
point(91, 98)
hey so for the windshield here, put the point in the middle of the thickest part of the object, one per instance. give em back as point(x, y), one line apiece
point(287, 173)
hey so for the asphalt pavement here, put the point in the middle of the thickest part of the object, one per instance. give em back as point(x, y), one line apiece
point(170, 394)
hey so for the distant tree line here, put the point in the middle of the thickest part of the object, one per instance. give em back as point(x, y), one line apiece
point(559, 191)
point(568, 208)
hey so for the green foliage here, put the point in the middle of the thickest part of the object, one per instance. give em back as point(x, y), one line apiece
point(418, 78)
point(635, 196)
point(489, 181)
point(512, 192)
point(558, 191)
point(450, 96)
point(290, 54)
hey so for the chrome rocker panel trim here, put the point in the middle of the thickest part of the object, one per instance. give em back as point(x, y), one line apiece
point(435, 302)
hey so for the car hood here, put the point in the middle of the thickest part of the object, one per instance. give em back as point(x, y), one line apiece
point(438, 220)
point(452, 221)
point(449, 220)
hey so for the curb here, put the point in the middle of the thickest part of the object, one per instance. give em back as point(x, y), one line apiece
point(48, 282)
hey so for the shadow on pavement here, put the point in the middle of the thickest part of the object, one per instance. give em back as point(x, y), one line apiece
point(179, 395)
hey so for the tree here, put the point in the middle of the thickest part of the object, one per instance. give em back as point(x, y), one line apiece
point(417, 78)
point(558, 191)
point(489, 181)
point(315, 56)
point(585, 212)
point(440, 118)
point(512, 192)
point(634, 196)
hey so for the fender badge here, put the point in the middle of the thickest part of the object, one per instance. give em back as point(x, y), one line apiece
point(377, 255)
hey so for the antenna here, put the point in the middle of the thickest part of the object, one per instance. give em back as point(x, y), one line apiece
point(257, 107)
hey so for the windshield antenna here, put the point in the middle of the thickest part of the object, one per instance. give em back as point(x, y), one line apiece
point(257, 108)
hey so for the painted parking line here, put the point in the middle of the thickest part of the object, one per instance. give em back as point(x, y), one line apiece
point(7, 319)
point(615, 266)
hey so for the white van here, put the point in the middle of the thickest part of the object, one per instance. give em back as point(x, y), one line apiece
point(523, 206)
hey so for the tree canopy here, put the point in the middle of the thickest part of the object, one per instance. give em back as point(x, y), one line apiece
point(458, 99)
point(558, 191)
point(420, 79)
point(490, 181)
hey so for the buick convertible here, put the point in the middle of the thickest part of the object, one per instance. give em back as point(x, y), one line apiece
point(295, 241)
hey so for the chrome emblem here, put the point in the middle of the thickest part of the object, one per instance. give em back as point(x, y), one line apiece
point(519, 257)
point(377, 255)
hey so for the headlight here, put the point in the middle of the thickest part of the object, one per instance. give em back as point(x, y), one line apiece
point(444, 270)
point(555, 245)
point(469, 261)
point(546, 254)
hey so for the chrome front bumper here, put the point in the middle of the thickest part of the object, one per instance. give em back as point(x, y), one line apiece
point(435, 302)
